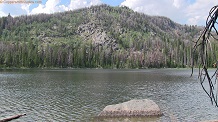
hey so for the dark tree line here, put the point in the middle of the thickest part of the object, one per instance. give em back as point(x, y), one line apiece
point(81, 55)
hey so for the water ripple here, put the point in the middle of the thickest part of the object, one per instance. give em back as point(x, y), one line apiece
point(79, 95)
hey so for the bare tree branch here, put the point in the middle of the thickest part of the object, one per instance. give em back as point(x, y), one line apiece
point(203, 47)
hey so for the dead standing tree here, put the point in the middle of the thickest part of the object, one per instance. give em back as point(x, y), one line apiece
point(203, 48)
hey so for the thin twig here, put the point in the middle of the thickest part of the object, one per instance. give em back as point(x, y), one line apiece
point(204, 48)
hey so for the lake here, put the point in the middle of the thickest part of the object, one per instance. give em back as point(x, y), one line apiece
point(80, 94)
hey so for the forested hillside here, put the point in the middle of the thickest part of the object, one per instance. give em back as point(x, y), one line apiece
point(95, 37)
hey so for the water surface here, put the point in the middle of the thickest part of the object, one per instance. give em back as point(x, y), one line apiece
point(80, 94)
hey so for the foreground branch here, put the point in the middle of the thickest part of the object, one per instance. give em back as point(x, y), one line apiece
point(12, 118)
point(203, 48)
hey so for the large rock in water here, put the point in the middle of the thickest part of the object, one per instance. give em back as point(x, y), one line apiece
point(143, 107)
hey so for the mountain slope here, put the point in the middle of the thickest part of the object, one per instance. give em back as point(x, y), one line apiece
point(99, 36)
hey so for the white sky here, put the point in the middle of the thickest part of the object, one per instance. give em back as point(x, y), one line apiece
point(191, 12)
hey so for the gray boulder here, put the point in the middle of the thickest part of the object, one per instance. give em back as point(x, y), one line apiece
point(144, 107)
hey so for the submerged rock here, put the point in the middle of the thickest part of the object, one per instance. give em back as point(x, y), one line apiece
point(144, 107)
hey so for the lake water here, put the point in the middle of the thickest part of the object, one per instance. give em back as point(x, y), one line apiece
point(80, 94)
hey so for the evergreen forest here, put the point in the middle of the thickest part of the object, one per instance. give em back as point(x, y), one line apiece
point(97, 37)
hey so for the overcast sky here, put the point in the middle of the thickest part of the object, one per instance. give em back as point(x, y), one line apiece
point(191, 12)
